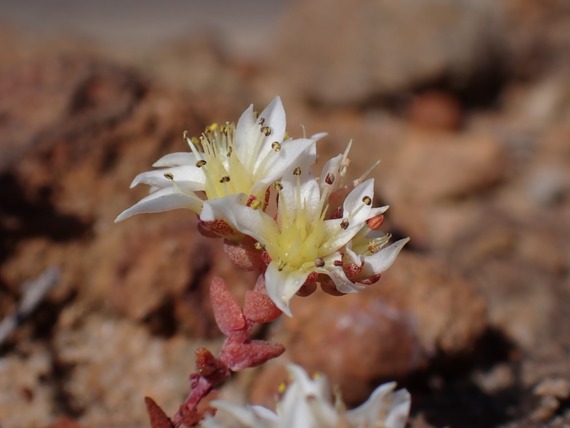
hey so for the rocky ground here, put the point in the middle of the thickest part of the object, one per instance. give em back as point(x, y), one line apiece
point(467, 104)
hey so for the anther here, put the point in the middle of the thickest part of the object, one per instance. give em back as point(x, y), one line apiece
point(258, 246)
point(276, 146)
point(329, 179)
point(277, 186)
point(281, 265)
point(200, 163)
point(225, 179)
point(344, 224)
point(319, 262)
point(261, 121)
point(255, 204)
point(230, 151)
point(375, 222)
point(266, 130)
point(297, 171)
point(185, 135)
point(367, 200)
point(337, 263)
point(169, 175)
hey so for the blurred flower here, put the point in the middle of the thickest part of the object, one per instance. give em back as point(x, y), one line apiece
point(307, 403)
point(307, 238)
point(224, 160)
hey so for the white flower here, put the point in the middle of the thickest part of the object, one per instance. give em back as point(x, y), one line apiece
point(225, 160)
point(307, 403)
point(305, 237)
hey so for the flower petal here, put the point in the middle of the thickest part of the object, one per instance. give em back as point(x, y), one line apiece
point(383, 259)
point(385, 407)
point(176, 159)
point(282, 285)
point(293, 153)
point(192, 177)
point(162, 200)
point(247, 220)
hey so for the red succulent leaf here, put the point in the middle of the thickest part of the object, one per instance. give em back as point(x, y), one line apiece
point(158, 418)
point(210, 367)
point(227, 311)
point(239, 356)
point(259, 307)
point(244, 256)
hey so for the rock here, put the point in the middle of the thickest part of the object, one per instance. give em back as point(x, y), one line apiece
point(434, 167)
point(26, 399)
point(85, 138)
point(111, 364)
point(418, 310)
point(338, 52)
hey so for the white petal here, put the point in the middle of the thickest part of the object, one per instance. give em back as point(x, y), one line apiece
point(393, 406)
point(383, 259)
point(332, 167)
point(274, 115)
point(176, 159)
point(192, 177)
point(354, 205)
point(225, 208)
point(282, 285)
point(244, 125)
point(341, 281)
point(254, 223)
point(162, 200)
point(293, 153)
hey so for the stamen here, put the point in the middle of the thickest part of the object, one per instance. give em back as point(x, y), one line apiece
point(319, 262)
point(297, 171)
point(169, 175)
point(337, 263)
point(367, 200)
point(185, 135)
point(266, 130)
point(201, 163)
point(261, 121)
point(258, 246)
point(329, 179)
point(276, 146)
point(281, 265)
point(278, 186)
point(255, 204)
point(344, 224)
point(225, 179)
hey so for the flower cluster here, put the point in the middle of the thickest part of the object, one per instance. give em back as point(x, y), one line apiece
point(252, 185)
point(307, 403)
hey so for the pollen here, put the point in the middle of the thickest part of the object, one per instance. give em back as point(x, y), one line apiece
point(212, 127)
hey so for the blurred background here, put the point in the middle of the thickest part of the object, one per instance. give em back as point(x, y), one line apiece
point(466, 104)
